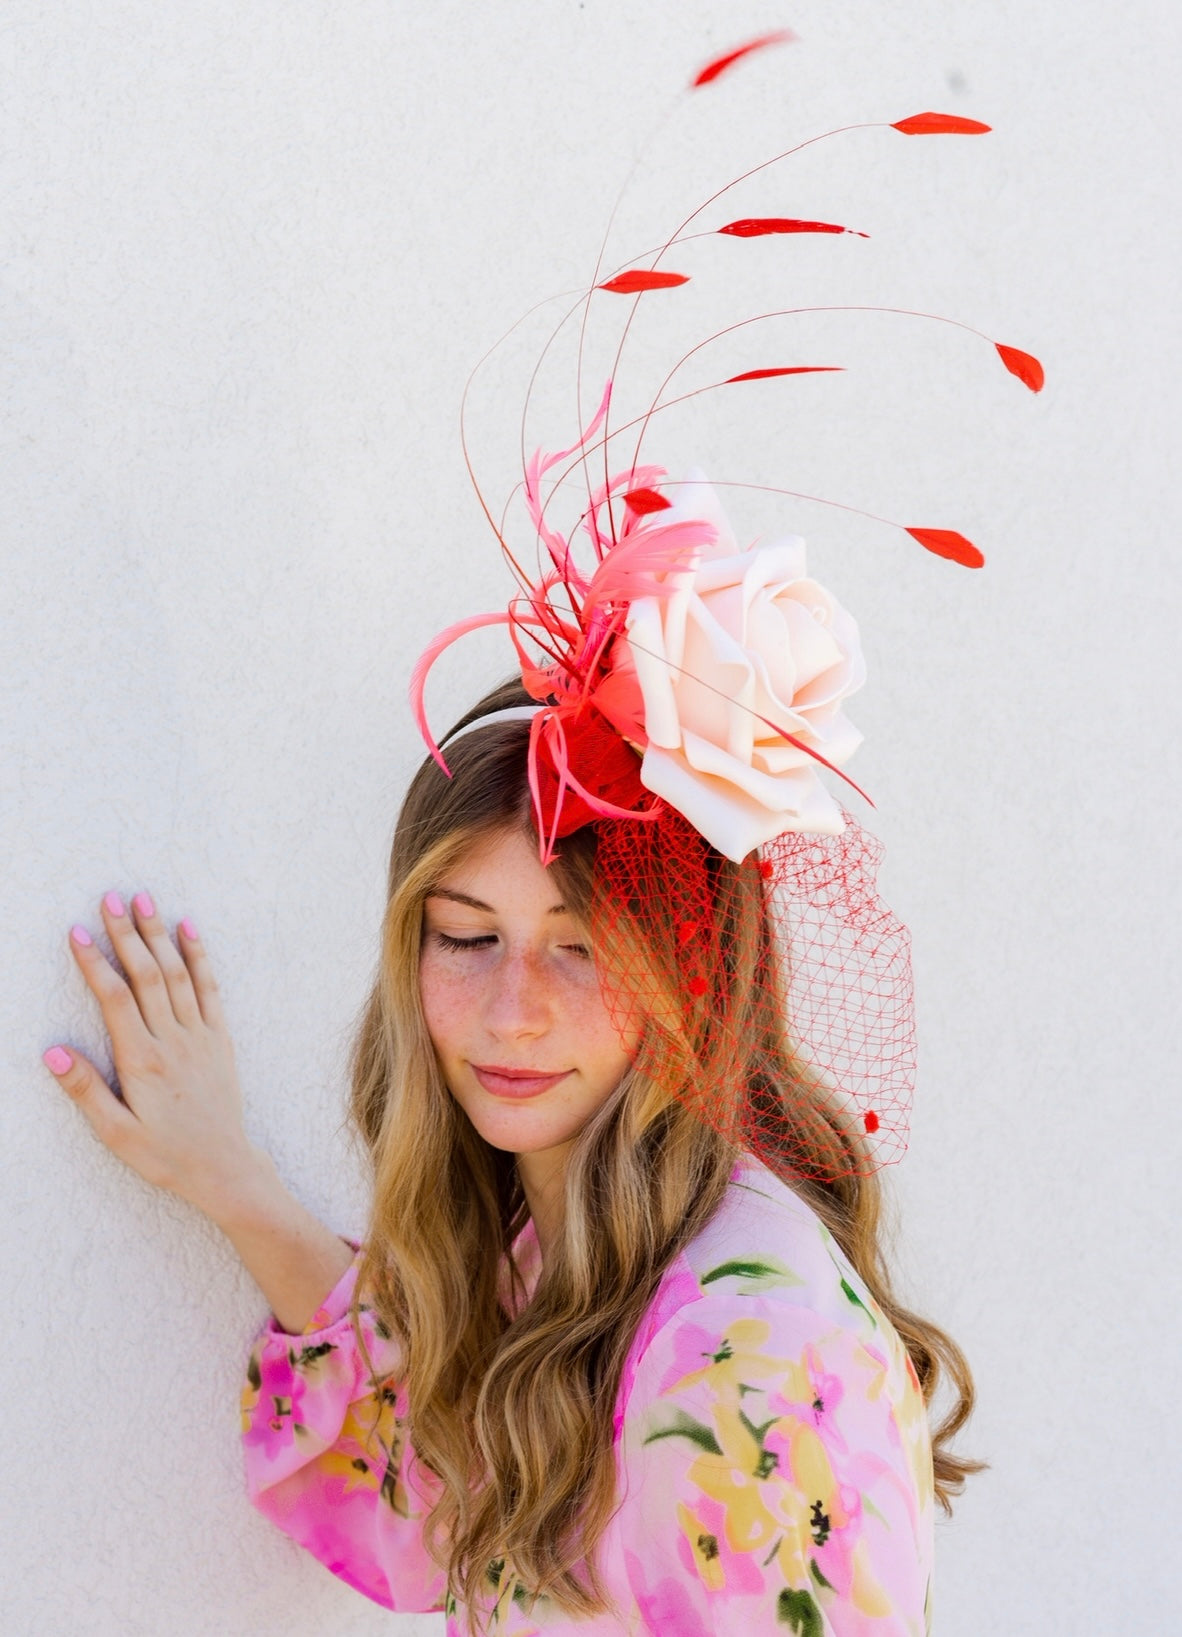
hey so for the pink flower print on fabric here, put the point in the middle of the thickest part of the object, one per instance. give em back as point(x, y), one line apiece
point(666, 1608)
point(705, 1549)
point(694, 1350)
point(268, 1419)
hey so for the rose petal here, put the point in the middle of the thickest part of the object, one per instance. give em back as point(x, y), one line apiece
point(646, 642)
point(774, 562)
point(725, 813)
point(836, 739)
point(727, 818)
point(695, 497)
point(813, 646)
point(717, 673)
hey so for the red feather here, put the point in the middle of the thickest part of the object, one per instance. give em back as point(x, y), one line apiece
point(644, 501)
point(947, 543)
point(792, 369)
point(751, 227)
point(636, 279)
point(719, 65)
point(1022, 364)
point(938, 124)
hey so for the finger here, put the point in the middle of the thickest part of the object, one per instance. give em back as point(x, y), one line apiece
point(201, 971)
point(176, 974)
point(142, 967)
point(121, 1014)
point(113, 1121)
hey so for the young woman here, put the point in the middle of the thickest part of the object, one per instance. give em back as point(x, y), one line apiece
point(618, 1352)
point(605, 1354)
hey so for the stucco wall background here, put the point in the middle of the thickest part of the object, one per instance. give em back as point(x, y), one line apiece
point(249, 256)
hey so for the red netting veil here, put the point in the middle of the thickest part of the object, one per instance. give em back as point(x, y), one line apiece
point(690, 705)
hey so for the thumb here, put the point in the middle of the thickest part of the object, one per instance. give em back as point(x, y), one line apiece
point(78, 1076)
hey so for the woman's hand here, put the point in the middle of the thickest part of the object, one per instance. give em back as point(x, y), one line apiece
point(179, 1124)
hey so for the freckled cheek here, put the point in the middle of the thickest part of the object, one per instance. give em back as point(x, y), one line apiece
point(587, 1018)
point(449, 998)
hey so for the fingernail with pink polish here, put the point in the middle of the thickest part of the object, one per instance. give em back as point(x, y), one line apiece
point(144, 904)
point(57, 1059)
point(114, 903)
point(80, 935)
point(189, 930)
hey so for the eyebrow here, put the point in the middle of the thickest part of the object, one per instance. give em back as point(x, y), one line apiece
point(487, 909)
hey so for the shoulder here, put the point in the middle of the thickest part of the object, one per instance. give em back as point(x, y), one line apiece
point(766, 1247)
point(773, 1442)
point(763, 1300)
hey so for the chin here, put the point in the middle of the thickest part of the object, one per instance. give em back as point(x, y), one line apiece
point(509, 1131)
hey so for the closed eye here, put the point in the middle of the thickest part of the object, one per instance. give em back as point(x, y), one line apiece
point(449, 942)
point(446, 941)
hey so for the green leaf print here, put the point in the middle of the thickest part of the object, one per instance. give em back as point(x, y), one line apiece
point(758, 1432)
point(309, 1355)
point(765, 1274)
point(852, 1295)
point(818, 1576)
point(798, 1611)
point(684, 1426)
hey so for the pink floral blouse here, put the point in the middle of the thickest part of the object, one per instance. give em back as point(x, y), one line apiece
point(772, 1449)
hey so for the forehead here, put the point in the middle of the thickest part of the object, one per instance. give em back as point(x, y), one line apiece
point(501, 873)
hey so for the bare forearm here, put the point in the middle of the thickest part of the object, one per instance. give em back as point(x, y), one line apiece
point(290, 1254)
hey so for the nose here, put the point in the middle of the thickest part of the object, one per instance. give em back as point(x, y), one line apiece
point(518, 1002)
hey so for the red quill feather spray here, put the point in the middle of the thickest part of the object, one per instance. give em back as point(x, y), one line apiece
point(790, 369)
point(719, 65)
point(754, 227)
point(939, 125)
point(637, 279)
point(947, 543)
point(1022, 364)
point(645, 501)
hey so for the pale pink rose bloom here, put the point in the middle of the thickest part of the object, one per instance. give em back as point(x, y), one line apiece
point(742, 635)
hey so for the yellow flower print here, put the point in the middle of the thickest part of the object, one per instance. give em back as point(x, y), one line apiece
point(704, 1547)
point(739, 1361)
point(866, 1594)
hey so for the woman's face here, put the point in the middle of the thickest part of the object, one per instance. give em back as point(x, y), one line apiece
point(512, 1000)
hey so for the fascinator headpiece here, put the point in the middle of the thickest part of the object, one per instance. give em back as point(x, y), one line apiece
point(690, 704)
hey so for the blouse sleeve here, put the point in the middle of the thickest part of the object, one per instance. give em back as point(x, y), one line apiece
point(327, 1459)
point(779, 1469)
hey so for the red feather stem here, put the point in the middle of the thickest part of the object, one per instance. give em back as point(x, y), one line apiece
point(790, 312)
point(693, 216)
point(947, 543)
point(939, 125)
point(1022, 364)
point(643, 501)
point(719, 65)
point(791, 369)
point(753, 227)
point(636, 280)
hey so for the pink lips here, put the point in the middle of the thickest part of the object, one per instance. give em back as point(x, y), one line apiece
point(515, 1082)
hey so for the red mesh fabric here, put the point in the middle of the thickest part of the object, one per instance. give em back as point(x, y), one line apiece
point(776, 994)
point(605, 764)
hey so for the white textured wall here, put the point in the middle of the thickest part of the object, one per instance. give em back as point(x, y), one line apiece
point(249, 255)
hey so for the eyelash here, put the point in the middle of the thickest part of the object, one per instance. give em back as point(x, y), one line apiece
point(448, 942)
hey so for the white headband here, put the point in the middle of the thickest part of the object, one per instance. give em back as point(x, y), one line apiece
point(512, 713)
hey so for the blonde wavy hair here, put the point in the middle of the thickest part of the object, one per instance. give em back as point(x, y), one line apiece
point(514, 1416)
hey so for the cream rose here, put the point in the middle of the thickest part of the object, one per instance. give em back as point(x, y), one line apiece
point(743, 635)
